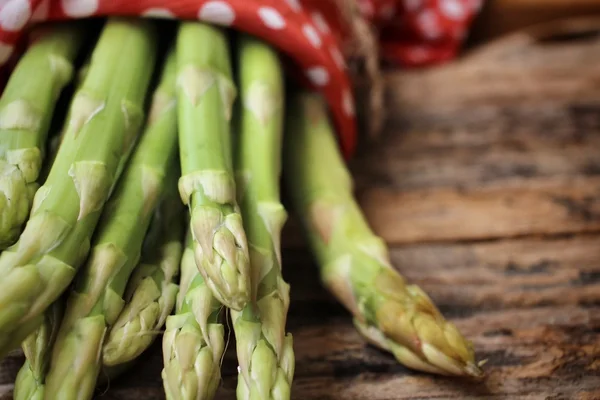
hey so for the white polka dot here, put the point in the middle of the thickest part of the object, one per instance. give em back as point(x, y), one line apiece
point(318, 76)
point(217, 12)
point(41, 12)
point(453, 9)
point(320, 22)
point(5, 52)
point(337, 56)
point(412, 5)
point(348, 103)
point(429, 24)
point(294, 5)
point(79, 8)
point(14, 15)
point(271, 18)
point(312, 35)
point(158, 13)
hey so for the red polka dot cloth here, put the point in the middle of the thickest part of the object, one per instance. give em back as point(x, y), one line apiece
point(416, 33)
point(309, 32)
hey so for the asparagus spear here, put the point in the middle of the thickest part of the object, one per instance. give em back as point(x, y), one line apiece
point(265, 352)
point(194, 339)
point(353, 261)
point(101, 128)
point(96, 301)
point(37, 347)
point(26, 109)
point(206, 93)
point(30, 382)
point(151, 293)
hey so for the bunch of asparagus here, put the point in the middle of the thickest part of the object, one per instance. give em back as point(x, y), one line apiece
point(100, 256)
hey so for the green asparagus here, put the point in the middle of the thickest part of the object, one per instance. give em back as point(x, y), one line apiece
point(104, 120)
point(265, 352)
point(26, 109)
point(151, 292)
point(194, 339)
point(206, 93)
point(31, 379)
point(354, 262)
point(37, 347)
point(96, 300)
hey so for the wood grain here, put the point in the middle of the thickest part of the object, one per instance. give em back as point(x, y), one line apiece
point(527, 335)
point(486, 185)
point(501, 16)
point(531, 207)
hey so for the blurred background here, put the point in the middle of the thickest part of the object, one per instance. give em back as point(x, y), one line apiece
point(499, 17)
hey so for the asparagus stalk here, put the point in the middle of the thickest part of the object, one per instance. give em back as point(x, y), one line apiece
point(96, 301)
point(101, 128)
point(37, 347)
point(151, 292)
point(206, 93)
point(194, 339)
point(26, 109)
point(354, 262)
point(31, 379)
point(265, 352)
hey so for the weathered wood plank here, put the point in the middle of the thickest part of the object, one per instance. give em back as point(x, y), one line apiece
point(524, 74)
point(418, 127)
point(468, 157)
point(471, 166)
point(512, 207)
point(515, 208)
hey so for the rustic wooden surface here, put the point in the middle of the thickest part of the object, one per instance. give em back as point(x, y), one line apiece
point(487, 187)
